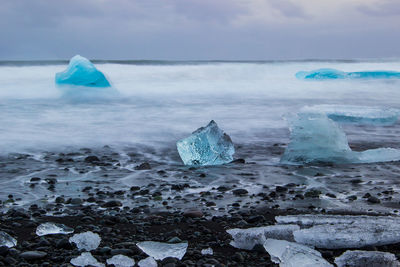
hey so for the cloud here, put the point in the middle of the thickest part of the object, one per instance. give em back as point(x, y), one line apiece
point(381, 8)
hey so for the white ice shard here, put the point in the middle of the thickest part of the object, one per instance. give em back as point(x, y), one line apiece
point(356, 114)
point(290, 254)
point(248, 238)
point(359, 258)
point(160, 250)
point(207, 251)
point(148, 262)
point(86, 259)
point(314, 138)
point(121, 261)
point(6, 240)
point(53, 228)
point(206, 146)
point(86, 241)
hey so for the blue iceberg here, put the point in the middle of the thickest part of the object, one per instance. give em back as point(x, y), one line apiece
point(206, 146)
point(331, 74)
point(82, 72)
point(356, 114)
point(315, 139)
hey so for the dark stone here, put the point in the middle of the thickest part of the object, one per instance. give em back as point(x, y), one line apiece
point(281, 189)
point(240, 192)
point(374, 200)
point(35, 179)
point(313, 193)
point(76, 201)
point(33, 255)
point(60, 200)
point(143, 166)
point(193, 213)
point(112, 203)
point(239, 161)
point(135, 188)
point(331, 195)
point(92, 159)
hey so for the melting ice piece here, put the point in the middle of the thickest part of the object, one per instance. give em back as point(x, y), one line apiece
point(330, 74)
point(121, 261)
point(160, 251)
point(82, 72)
point(147, 262)
point(358, 258)
point(314, 138)
point(292, 254)
point(206, 146)
point(86, 259)
point(207, 251)
point(6, 240)
point(86, 241)
point(53, 228)
point(356, 114)
point(248, 238)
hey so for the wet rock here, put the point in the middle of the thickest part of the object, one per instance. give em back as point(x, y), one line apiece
point(313, 193)
point(112, 203)
point(92, 159)
point(33, 255)
point(193, 213)
point(143, 166)
point(240, 192)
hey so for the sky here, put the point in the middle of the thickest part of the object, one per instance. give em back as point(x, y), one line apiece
point(199, 29)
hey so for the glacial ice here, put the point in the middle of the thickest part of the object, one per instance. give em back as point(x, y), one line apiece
point(290, 254)
point(356, 114)
point(86, 259)
point(160, 251)
point(207, 251)
point(82, 72)
point(325, 74)
point(121, 261)
point(86, 241)
point(314, 138)
point(6, 240)
point(53, 228)
point(148, 262)
point(248, 238)
point(358, 258)
point(206, 146)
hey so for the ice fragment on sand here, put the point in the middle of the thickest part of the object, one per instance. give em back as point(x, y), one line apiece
point(292, 254)
point(147, 262)
point(86, 241)
point(86, 259)
point(314, 138)
point(207, 251)
point(121, 261)
point(358, 258)
point(82, 72)
point(248, 238)
point(356, 114)
point(6, 240)
point(53, 228)
point(331, 74)
point(160, 251)
point(206, 146)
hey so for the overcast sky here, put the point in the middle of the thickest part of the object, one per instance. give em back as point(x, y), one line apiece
point(199, 29)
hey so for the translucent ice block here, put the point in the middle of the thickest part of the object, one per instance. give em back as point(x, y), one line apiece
point(53, 228)
point(160, 251)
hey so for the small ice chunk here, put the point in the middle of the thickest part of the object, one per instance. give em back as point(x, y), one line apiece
point(53, 228)
point(206, 146)
point(356, 114)
point(148, 262)
point(358, 258)
point(290, 254)
point(86, 259)
point(332, 74)
point(86, 241)
point(207, 251)
point(248, 238)
point(6, 240)
point(314, 138)
point(82, 72)
point(160, 251)
point(121, 261)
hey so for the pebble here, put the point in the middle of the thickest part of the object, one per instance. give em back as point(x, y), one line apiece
point(33, 255)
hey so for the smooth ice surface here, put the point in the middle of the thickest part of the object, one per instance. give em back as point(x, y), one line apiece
point(86, 241)
point(358, 258)
point(290, 254)
point(81, 72)
point(7, 240)
point(206, 146)
point(314, 138)
point(86, 259)
point(148, 262)
point(325, 74)
point(53, 228)
point(207, 251)
point(160, 251)
point(248, 238)
point(356, 114)
point(121, 261)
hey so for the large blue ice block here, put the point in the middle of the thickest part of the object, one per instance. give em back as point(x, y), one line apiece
point(331, 74)
point(206, 146)
point(82, 72)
